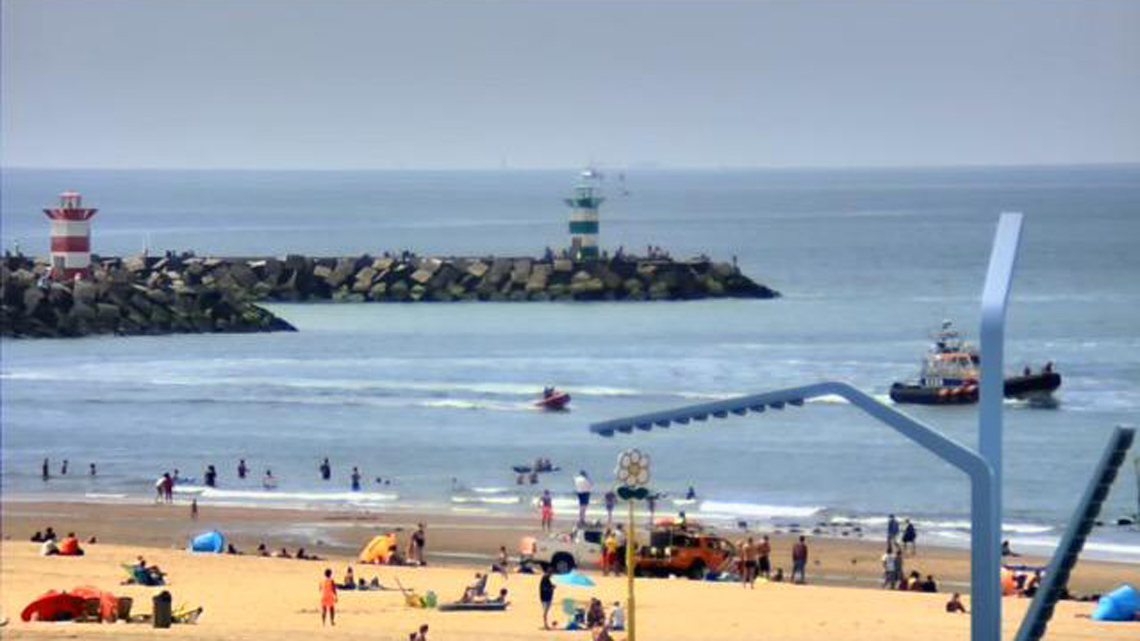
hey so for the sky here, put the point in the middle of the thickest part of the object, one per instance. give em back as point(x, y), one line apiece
point(484, 84)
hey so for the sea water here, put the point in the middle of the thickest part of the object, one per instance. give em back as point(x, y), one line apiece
point(437, 400)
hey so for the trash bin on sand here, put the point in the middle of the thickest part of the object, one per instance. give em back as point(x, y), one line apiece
point(162, 609)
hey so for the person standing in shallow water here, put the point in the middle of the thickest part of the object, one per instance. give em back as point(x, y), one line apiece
point(326, 470)
point(242, 469)
point(355, 480)
point(45, 472)
point(92, 469)
point(63, 468)
point(328, 598)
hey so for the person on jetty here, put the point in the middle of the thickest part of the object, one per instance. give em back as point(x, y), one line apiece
point(326, 470)
point(355, 480)
point(546, 595)
point(799, 561)
point(547, 511)
point(954, 605)
point(583, 486)
point(242, 469)
point(328, 598)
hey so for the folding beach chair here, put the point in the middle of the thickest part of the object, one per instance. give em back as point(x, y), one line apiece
point(186, 614)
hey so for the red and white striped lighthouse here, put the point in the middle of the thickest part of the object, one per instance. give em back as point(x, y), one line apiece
point(70, 237)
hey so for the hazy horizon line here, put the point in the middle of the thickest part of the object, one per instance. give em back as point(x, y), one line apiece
point(638, 167)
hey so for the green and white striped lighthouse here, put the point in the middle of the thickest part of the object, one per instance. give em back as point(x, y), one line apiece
point(584, 204)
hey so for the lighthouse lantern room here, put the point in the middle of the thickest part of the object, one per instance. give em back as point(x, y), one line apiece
point(70, 237)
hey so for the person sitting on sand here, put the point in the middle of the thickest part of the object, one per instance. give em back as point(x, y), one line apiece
point(421, 635)
point(262, 550)
point(955, 604)
point(778, 577)
point(1006, 550)
point(49, 548)
point(595, 615)
point(503, 563)
point(282, 554)
point(349, 582)
point(38, 537)
point(477, 589)
point(929, 585)
point(617, 617)
point(601, 633)
point(914, 581)
point(230, 549)
point(502, 598)
point(69, 546)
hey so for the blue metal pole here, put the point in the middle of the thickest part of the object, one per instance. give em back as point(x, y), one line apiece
point(985, 539)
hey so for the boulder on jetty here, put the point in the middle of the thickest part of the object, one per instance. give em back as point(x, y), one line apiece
point(136, 296)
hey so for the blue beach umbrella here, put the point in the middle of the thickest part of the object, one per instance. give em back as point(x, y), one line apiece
point(575, 578)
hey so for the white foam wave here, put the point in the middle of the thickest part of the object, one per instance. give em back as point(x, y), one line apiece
point(497, 500)
point(759, 510)
point(274, 495)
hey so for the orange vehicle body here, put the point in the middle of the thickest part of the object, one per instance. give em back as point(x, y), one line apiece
point(684, 551)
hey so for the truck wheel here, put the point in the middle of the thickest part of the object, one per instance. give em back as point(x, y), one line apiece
point(697, 570)
point(563, 563)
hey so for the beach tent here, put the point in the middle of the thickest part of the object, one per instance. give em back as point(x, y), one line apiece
point(212, 541)
point(54, 606)
point(379, 549)
point(108, 604)
point(1122, 604)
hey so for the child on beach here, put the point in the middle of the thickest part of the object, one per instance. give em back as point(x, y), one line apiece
point(954, 605)
point(547, 511)
point(328, 598)
point(546, 595)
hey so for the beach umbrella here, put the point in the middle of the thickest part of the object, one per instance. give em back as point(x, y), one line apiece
point(575, 579)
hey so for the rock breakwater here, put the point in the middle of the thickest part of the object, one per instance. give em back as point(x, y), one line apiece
point(120, 297)
point(186, 293)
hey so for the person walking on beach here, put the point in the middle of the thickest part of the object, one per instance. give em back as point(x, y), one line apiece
point(764, 558)
point(799, 561)
point(326, 470)
point(419, 541)
point(547, 511)
point(355, 480)
point(583, 486)
point(194, 508)
point(328, 598)
point(242, 469)
point(908, 538)
point(611, 502)
point(45, 472)
point(892, 532)
point(546, 595)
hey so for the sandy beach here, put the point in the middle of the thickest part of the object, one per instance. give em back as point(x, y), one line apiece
point(249, 597)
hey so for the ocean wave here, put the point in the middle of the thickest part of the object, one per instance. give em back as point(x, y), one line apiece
point(759, 510)
point(275, 495)
point(494, 500)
